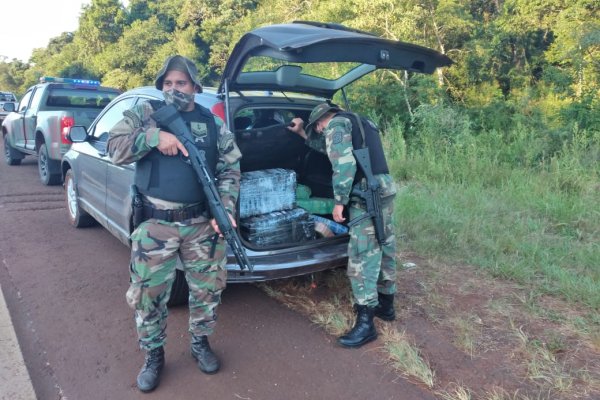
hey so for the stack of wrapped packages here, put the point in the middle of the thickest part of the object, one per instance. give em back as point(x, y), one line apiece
point(268, 212)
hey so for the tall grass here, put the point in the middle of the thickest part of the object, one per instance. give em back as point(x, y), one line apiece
point(516, 203)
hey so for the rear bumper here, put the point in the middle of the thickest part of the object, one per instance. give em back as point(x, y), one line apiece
point(279, 265)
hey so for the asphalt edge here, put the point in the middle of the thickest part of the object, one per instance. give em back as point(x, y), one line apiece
point(15, 382)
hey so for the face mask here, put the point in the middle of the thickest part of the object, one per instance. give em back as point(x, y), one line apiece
point(180, 100)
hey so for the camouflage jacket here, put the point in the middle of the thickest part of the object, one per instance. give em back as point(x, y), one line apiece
point(137, 134)
point(336, 142)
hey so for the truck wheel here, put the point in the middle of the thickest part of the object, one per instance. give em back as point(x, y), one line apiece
point(48, 168)
point(77, 217)
point(179, 290)
point(12, 156)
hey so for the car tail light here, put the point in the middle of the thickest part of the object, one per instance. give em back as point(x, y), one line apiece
point(219, 110)
point(65, 124)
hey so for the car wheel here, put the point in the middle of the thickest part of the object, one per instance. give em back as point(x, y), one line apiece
point(77, 217)
point(11, 156)
point(179, 290)
point(47, 167)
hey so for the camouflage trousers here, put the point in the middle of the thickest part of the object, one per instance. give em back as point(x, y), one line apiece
point(371, 267)
point(155, 249)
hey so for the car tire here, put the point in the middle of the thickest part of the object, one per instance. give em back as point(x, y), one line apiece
point(48, 168)
point(77, 217)
point(179, 290)
point(11, 155)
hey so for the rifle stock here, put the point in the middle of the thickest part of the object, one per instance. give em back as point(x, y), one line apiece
point(169, 117)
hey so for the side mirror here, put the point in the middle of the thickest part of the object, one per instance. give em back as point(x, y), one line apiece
point(10, 107)
point(77, 134)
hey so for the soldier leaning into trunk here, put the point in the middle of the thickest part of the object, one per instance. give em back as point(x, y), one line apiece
point(175, 216)
point(371, 267)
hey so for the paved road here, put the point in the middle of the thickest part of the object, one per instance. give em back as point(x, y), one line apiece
point(65, 289)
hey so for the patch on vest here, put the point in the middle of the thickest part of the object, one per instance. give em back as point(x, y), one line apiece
point(200, 130)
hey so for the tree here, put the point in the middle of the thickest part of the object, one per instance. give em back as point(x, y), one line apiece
point(101, 23)
point(131, 54)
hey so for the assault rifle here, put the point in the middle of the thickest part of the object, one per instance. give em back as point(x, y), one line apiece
point(170, 118)
point(371, 195)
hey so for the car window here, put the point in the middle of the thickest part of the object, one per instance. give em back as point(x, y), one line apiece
point(37, 97)
point(5, 96)
point(326, 70)
point(113, 115)
point(262, 117)
point(25, 101)
point(67, 97)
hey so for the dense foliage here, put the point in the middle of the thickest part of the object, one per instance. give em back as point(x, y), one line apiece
point(517, 61)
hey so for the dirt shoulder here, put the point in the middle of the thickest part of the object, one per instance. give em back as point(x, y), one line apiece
point(466, 335)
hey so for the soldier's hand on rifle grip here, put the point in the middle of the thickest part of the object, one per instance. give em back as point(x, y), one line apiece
point(213, 223)
point(169, 145)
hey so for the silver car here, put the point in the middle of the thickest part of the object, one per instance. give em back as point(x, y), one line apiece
point(274, 74)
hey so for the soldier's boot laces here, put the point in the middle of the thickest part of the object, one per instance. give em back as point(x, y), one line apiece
point(385, 309)
point(364, 329)
point(149, 376)
point(206, 359)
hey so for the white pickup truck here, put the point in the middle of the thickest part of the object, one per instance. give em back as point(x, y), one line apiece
point(6, 97)
point(40, 122)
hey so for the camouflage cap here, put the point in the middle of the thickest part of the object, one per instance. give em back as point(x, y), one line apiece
point(318, 112)
point(178, 63)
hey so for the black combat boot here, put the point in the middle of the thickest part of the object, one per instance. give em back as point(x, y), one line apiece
point(385, 308)
point(149, 376)
point(364, 329)
point(201, 351)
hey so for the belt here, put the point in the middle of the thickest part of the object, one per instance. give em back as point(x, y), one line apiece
point(175, 215)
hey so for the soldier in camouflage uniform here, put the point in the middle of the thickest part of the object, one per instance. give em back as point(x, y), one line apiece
point(176, 220)
point(371, 267)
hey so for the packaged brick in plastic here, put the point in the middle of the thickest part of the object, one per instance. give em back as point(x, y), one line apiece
point(267, 190)
point(328, 228)
point(278, 227)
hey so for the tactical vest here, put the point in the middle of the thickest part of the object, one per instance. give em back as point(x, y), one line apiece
point(172, 178)
point(373, 142)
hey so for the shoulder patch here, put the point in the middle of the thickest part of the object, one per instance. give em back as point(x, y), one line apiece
point(226, 141)
point(337, 137)
point(135, 119)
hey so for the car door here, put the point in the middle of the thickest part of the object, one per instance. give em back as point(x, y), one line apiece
point(300, 45)
point(17, 124)
point(119, 178)
point(93, 161)
point(30, 118)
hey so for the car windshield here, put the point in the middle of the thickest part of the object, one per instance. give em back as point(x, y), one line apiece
point(325, 70)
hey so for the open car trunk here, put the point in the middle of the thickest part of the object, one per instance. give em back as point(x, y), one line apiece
point(274, 74)
point(286, 195)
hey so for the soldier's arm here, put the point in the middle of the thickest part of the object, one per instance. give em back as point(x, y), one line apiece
point(133, 136)
point(228, 167)
point(311, 139)
point(316, 142)
point(338, 139)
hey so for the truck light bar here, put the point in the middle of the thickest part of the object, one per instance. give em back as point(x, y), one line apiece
point(47, 79)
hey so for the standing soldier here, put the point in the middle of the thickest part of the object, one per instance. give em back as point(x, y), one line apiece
point(176, 222)
point(371, 266)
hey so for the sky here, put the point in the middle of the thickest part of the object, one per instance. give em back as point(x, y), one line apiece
point(29, 24)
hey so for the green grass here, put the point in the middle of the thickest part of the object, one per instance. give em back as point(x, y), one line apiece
point(498, 201)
